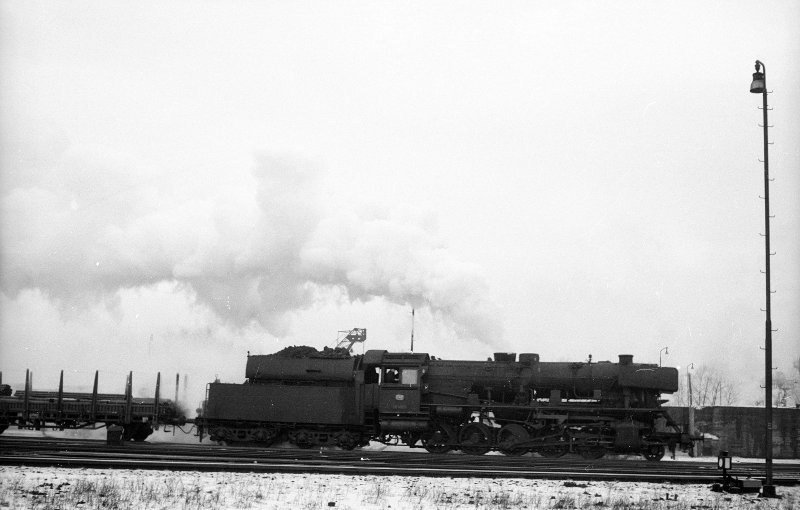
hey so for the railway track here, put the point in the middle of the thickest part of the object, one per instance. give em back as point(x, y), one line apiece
point(167, 456)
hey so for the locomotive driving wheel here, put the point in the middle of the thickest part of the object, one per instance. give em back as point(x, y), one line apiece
point(591, 451)
point(411, 438)
point(589, 443)
point(654, 452)
point(439, 439)
point(554, 444)
point(510, 436)
point(475, 438)
point(553, 451)
point(554, 447)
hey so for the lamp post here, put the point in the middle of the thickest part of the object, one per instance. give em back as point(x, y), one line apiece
point(759, 86)
point(665, 350)
point(693, 451)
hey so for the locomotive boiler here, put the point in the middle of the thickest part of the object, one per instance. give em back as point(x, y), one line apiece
point(511, 404)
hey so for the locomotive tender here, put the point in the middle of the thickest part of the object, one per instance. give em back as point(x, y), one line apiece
point(513, 405)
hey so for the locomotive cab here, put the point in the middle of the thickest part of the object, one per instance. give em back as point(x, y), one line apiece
point(399, 390)
point(400, 382)
point(399, 378)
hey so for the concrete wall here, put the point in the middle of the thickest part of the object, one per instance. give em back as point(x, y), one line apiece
point(741, 430)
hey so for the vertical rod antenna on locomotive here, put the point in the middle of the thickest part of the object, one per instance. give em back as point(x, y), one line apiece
point(412, 329)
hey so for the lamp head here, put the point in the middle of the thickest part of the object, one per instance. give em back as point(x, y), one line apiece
point(724, 460)
point(758, 86)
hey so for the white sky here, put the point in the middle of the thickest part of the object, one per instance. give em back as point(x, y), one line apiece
point(184, 183)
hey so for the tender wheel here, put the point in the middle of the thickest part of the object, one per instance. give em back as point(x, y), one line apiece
point(510, 436)
point(263, 436)
point(475, 438)
point(304, 439)
point(654, 453)
point(217, 434)
point(440, 439)
point(346, 441)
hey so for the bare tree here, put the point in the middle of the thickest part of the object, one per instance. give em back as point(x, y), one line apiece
point(787, 388)
point(710, 387)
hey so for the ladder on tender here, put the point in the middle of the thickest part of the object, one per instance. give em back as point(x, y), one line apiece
point(347, 339)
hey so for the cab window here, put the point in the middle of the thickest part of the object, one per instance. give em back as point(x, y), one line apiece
point(391, 376)
point(409, 376)
point(406, 376)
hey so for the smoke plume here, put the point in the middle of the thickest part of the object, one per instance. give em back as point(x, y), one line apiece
point(96, 224)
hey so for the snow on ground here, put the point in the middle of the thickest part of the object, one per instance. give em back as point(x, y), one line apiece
point(55, 488)
point(60, 488)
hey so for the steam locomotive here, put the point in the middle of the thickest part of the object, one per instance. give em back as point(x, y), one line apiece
point(509, 404)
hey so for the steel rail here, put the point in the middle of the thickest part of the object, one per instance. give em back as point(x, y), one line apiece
point(214, 458)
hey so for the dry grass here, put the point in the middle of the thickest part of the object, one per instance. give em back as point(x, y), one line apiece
point(47, 489)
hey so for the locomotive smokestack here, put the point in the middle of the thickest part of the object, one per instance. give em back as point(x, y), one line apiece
point(625, 359)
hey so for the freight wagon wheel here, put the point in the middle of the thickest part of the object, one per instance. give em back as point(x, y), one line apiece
point(510, 436)
point(475, 438)
point(142, 432)
point(127, 432)
point(136, 431)
point(654, 453)
point(131, 431)
point(439, 439)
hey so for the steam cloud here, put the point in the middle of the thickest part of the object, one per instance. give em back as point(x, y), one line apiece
point(96, 224)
